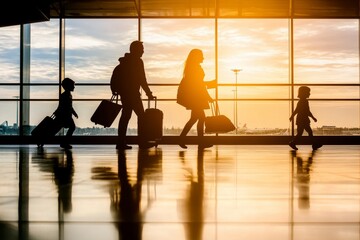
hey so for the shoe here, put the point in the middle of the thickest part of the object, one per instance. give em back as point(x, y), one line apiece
point(183, 146)
point(147, 145)
point(205, 145)
point(123, 146)
point(293, 146)
point(316, 146)
point(66, 146)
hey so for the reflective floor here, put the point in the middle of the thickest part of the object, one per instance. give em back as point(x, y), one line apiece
point(223, 193)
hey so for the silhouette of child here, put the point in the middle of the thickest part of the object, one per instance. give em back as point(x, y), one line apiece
point(303, 113)
point(65, 111)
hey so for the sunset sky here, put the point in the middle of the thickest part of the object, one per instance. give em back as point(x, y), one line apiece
point(325, 51)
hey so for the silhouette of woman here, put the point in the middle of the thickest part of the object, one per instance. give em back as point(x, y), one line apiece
point(193, 95)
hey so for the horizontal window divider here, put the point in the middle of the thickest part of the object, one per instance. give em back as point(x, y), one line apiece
point(288, 84)
point(219, 84)
point(174, 100)
point(298, 14)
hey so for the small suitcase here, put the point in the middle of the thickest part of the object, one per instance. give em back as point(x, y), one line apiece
point(106, 112)
point(48, 127)
point(151, 126)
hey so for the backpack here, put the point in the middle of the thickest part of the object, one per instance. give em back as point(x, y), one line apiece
point(117, 79)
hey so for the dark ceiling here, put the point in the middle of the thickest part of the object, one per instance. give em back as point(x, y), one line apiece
point(18, 11)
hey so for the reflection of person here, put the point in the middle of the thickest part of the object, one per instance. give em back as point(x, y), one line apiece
point(65, 111)
point(61, 165)
point(193, 95)
point(303, 113)
point(192, 207)
point(126, 203)
point(303, 179)
point(63, 173)
point(126, 80)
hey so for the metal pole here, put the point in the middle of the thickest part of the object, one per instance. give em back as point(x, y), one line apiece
point(236, 71)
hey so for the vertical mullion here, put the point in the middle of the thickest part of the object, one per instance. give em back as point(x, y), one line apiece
point(24, 79)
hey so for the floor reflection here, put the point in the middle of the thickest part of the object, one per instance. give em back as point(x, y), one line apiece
point(125, 205)
point(303, 170)
point(191, 207)
point(222, 193)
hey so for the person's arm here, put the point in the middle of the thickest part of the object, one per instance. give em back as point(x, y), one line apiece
point(74, 113)
point(294, 113)
point(312, 116)
point(143, 82)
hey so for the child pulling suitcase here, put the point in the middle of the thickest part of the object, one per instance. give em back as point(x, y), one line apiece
point(62, 117)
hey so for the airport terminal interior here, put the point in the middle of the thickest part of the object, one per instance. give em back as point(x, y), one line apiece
point(249, 185)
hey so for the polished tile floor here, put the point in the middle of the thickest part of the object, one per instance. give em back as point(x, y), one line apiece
point(226, 192)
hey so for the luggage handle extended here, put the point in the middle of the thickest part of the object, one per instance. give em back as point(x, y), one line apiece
point(155, 99)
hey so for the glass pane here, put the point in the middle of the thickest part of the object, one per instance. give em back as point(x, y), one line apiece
point(260, 51)
point(167, 43)
point(326, 51)
point(91, 92)
point(9, 92)
point(93, 46)
point(9, 119)
point(229, 92)
point(10, 54)
point(164, 92)
point(45, 52)
point(40, 109)
point(44, 92)
point(333, 92)
point(175, 117)
point(258, 117)
point(334, 116)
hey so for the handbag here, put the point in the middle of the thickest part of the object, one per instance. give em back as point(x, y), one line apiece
point(218, 123)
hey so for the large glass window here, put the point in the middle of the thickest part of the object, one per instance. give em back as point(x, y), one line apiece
point(326, 51)
point(255, 58)
point(45, 52)
point(92, 50)
point(9, 79)
point(326, 57)
point(167, 44)
point(10, 54)
point(252, 68)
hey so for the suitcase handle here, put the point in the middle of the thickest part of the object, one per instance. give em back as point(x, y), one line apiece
point(149, 100)
point(114, 97)
point(215, 108)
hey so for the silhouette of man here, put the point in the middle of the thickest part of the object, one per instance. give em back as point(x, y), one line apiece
point(126, 81)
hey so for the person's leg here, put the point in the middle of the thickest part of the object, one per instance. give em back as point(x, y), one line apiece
point(139, 111)
point(315, 145)
point(187, 127)
point(300, 131)
point(200, 129)
point(71, 129)
point(70, 124)
point(200, 125)
point(123, 124)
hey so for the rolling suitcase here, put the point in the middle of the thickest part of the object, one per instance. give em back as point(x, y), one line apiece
point(106, 112)
point(48, 127)
point(151, 126)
